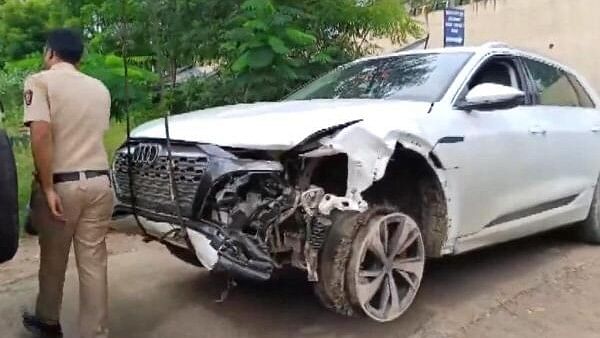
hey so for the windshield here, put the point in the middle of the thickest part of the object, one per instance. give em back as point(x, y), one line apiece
point(415, 77)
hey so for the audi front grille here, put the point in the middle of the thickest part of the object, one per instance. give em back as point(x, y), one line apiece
point(150, 169)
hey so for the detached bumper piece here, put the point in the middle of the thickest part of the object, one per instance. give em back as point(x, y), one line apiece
point(217, 249)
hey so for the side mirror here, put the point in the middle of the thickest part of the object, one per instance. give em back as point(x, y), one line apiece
point(490, 96)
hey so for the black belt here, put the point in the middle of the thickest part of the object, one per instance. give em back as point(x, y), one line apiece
point(75, 175)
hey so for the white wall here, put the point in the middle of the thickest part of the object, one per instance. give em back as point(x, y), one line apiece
point(572, 26)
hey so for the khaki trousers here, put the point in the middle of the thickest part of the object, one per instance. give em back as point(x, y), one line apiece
point(87, 205)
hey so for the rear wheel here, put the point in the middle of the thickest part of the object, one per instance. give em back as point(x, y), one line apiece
point(589, 230)
point(9, 212)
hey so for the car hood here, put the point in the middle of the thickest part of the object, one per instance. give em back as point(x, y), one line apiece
point(279, 125)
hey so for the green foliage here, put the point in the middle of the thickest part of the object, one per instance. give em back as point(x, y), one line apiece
point(197, 94)
point(109, 70)
point(115, 137)
point(262, 49)
point(23, 24)
point(418, 7)
point(22, 27)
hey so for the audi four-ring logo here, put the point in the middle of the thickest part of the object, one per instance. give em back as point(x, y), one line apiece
point(145, 153)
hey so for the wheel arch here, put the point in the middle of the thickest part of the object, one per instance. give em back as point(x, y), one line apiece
point(416, 171)
point(412, 169)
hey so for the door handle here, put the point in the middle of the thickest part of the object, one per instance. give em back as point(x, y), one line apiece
point(596, 128)
point(537, 130)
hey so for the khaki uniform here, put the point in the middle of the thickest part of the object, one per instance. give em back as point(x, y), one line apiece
point(78, 110)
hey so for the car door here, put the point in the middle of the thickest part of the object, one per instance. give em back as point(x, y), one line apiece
point(497, 165)
point(571, 127)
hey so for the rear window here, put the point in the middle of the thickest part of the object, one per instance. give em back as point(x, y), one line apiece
point(553, 86)
point(584, 97)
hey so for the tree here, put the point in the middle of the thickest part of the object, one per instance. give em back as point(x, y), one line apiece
point(265, 48)
point(418, 7)
point(272, 47)
point(22, 27)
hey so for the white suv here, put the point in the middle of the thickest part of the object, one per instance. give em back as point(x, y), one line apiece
point(365, 172)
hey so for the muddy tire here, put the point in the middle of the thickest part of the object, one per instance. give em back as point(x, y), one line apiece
point(589, 230)
point(333, 258)
point(9, 212)
point(386, 266)
point(353, 279)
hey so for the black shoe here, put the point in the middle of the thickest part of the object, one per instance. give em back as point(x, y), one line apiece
point(40, 329)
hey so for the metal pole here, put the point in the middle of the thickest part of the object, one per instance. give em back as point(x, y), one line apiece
point(124, 42)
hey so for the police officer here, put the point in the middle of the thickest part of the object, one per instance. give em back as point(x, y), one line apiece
point(68, 113)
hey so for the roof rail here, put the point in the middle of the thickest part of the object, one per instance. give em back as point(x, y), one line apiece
point(495, 44)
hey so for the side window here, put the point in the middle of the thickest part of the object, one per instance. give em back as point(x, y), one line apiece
point(585, 100)
point(498, 71)
point(553, 86)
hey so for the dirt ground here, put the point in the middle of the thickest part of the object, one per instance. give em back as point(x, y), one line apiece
point(545, 286)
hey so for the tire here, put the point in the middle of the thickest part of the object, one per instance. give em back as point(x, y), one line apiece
point(589, 230)
point(9, 208)
point(347, 263)
point(333, 258)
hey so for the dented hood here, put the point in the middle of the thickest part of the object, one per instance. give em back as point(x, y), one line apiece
point(280, 125)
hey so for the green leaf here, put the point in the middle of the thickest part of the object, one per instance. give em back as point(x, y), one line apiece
point(299, 37)
point(287, 72)
point(322, 58)
point(265, 6)
point(241, 63)
point(260, 57)
point(256, 24)
point(278, 45)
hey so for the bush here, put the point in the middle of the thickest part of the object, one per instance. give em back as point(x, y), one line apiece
point(201, 93)
point(109, 70)
point(106, 68)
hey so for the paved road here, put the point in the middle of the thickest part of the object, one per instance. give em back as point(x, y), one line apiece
point(542, 286)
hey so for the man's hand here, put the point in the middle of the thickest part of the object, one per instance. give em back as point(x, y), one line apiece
point(55, 204)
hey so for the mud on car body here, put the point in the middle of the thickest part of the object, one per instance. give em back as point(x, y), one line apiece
point(362, 174)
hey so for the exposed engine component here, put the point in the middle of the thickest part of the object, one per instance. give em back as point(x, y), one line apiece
point(331, 202)
point(317, 206)
point(250, 207)
point(317, 224)
point(253, 202)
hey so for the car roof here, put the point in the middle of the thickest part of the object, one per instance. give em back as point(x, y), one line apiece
point(485, 49)
point(481, 51)
point(491, 48)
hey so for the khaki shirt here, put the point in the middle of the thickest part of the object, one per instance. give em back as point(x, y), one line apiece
point(78, 109)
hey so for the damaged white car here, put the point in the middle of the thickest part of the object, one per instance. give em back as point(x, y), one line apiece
point(363, 174)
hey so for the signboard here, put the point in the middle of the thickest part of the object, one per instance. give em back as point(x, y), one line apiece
point(454, 27)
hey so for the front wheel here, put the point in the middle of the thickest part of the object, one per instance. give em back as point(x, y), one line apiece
point(386, 267)
point(375, 270)
point(589, 230)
